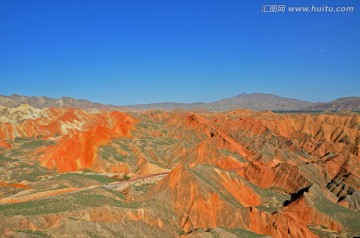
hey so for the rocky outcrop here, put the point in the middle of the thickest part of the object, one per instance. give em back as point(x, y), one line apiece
point(5, 144)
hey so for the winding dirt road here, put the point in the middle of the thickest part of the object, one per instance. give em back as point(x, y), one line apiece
point(66, 191)
point(60, 192)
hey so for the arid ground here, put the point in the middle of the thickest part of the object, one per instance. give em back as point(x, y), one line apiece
point(241, 173)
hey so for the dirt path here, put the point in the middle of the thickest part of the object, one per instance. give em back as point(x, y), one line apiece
point(67, 191)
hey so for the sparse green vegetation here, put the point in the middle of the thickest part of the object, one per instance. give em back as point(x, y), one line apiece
point(107, 152)
point(29, 172)
point(232, 154)
point(37, 234)
point(322, 232)
point(32, 143)
point(116, 193)
point(99, 177)
point(41, 206)
point(144, 187)
point(62, 203)
point(3, 158)
point(243, 233)
point(79, 178)
point(349, 218)
point(93, 234)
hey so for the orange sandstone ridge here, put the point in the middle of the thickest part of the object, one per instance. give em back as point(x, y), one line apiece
point(18, 185)
point(78, 135)
point(4, 144)
point(79, 151)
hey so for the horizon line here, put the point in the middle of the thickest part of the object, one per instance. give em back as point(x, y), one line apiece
point(164, 102)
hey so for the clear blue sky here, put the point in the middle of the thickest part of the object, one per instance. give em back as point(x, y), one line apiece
point(131, 51)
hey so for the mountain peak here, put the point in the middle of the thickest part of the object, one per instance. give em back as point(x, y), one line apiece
point(242, 94)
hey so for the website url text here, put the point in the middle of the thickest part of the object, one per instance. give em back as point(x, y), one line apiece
point(313, 8)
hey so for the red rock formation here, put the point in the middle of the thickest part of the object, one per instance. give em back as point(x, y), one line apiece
point(15, 185)
point(47, 123)
point(244, 194)
point(4, 144)
point(196, 204)
point(283, 176)
point(79, 150)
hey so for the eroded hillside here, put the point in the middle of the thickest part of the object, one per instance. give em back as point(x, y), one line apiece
point(169, 174)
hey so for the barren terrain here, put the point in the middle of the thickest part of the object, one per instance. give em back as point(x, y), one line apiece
point(240, 173)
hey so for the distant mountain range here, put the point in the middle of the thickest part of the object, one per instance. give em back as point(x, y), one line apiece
point(15, 100)
point(346, 103)
point(253, 101)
